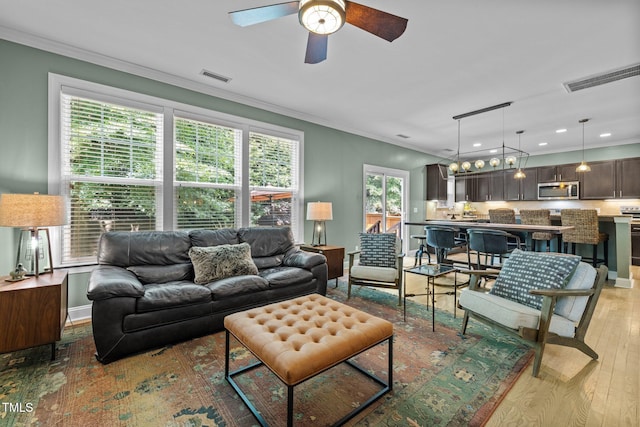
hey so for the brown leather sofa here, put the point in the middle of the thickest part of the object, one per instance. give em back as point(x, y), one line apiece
point(144, 295)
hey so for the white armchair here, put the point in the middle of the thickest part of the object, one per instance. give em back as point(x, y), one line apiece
point(379, 263)
point(542, 297)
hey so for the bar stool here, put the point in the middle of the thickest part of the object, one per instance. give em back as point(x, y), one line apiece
point(538, 217)
point(421, 249)
point(489, 242)
point(585, 231)
point(507, 216)
point(443, 239)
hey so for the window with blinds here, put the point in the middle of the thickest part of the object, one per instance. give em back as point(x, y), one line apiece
point(133, 162)
point(111, 161)
point(273, 180)
point(207, 176)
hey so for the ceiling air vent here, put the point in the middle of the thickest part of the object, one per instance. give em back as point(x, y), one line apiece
point(213, 75)
point(603, 78)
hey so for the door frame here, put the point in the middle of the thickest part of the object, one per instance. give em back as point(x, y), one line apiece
point(385, 172)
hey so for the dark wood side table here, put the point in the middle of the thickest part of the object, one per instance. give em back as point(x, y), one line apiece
point(33, 311)
point(335, 258)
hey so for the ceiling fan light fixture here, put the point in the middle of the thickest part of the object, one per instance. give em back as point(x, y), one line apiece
point(322, 16)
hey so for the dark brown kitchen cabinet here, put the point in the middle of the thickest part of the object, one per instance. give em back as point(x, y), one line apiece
point(628, 178)
point(600, 182)
point(521, 189)
point(437, 182)
point(465, 188)
point(612, 179)
point(489, 187)
point(558, 173)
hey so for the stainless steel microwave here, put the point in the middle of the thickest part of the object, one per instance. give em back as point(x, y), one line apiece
point(559, 190)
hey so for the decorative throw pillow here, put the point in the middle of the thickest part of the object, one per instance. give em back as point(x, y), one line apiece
point(218, 262)
point(525, 271)
point(378, 250)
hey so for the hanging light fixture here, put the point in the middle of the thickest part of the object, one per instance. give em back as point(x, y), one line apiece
point(583, 166)
point(455, 166)
point(322, 16)
point(519, 174)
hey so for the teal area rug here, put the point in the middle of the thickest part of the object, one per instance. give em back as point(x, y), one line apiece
point(440, 378)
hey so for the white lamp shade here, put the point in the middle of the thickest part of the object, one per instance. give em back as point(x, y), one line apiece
point(31, 210)
point(319, 211)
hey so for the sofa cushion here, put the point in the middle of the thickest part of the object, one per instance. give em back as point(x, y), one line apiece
point(377, 274)
point(171, 294)
point(573, 307)
point(512, 314)
point(223, 236)
point(267, 241)
point(219, 262)
point(268, 261)
point(525, 271)
point(162, 273)
point(125, 248)
point(378, 250)
point(238, 285)
point(286, 276)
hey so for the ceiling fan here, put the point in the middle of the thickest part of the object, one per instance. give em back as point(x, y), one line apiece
point(324, 17)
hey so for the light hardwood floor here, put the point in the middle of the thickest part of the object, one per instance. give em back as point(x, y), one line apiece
point(572, 389)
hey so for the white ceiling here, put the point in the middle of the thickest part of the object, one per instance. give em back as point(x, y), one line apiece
point(456, 56)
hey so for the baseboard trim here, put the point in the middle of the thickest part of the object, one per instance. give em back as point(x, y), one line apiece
point(80, 313)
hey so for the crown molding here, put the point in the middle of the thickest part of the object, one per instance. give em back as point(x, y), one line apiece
point(70, 51)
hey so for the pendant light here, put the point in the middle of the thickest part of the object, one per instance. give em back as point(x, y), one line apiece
point(583, 166)
point(519, 174)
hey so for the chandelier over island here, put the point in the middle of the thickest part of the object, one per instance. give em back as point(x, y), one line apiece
point(461, 162)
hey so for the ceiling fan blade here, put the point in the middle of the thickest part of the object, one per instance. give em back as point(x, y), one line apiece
point(257, 15)
point(316, 48)
point(377, 22)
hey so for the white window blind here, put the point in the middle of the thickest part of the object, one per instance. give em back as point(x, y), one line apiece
point(273, 180)
point(111, 172)
point(207, 174)
point(108, 147)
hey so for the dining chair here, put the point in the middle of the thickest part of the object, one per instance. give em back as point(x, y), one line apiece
point(489, 243)
point(586, 231)
point(538, 217)
point(507, 216)
point(443, 240)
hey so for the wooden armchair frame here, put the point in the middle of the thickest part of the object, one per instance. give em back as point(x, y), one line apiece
point(541, 336)
point(396, 284)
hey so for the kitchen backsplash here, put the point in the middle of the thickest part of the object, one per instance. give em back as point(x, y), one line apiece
point(481, 209)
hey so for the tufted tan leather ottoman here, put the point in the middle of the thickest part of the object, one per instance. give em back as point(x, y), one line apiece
point(300, 338)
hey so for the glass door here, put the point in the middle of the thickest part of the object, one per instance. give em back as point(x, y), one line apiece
point(385, 195)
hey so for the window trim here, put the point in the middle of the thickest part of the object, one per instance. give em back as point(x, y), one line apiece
point(169, 108)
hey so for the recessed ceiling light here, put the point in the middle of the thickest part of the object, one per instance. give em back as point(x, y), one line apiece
point(542, 143)
point(477, 144)
point(493, 151)
point(604, 135)
point(561, 131)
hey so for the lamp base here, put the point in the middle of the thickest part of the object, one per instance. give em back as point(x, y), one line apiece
point(34, 251)
point(320, 228)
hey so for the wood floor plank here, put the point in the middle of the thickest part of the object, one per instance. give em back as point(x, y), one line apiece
point(572, 389)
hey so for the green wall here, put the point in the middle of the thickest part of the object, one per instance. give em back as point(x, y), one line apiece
point(333, 160)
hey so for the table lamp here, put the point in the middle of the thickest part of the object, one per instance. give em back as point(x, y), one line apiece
point(319, 212)
point(33, 213)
